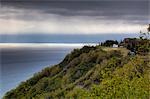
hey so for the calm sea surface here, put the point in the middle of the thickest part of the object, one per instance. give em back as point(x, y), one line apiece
point(20, 61)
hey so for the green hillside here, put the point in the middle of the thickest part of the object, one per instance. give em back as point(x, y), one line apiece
point(90, 73)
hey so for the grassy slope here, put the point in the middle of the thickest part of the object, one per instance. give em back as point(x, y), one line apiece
point(89, 72)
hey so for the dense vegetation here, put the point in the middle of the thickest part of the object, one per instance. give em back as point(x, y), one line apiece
point(90, 72)
point(109, 43)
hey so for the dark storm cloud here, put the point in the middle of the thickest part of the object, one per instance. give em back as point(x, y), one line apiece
point(128, 10)
point(65, 0)
point(73, 16)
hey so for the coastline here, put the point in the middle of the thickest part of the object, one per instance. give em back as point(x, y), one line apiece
point(20, 48)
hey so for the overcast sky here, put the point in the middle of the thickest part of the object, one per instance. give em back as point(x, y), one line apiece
point(73, 17)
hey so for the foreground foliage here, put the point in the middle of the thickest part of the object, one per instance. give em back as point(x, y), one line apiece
point(90, 73)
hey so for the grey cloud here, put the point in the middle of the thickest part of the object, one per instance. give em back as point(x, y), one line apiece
point(134, 11)
point(62, 0)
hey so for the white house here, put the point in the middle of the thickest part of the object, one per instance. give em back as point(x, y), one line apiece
point(115, 45)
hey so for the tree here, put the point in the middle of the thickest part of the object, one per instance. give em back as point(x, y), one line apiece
point(109, 43)
point(144, 45)
point(148, 28)
point(145, 35)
